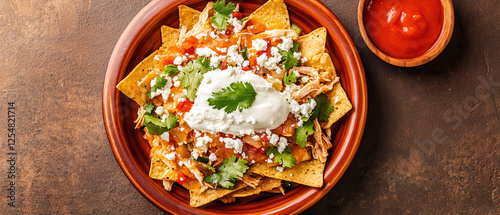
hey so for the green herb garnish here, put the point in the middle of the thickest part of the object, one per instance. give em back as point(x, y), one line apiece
point(237, 96)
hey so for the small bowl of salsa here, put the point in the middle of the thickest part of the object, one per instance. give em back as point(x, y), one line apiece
point(406, 33)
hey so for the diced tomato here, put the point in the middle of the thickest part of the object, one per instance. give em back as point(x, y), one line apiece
point(264, 137)
point(181, 178)
point(229, 135)
point(262, 151)
point(224, 65)
point(259, 53)
point(189, 42)
point(184, 106)
point(237, 15)
point(251, 148)
point(168, 60)
point(188, 51)
point(246, 68)
point(253, 62)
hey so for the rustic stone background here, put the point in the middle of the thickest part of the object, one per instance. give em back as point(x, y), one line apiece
point(431, 144)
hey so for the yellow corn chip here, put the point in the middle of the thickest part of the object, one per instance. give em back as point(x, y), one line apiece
point(273, 14)
point(340, 103)
point(265, 185)
point(313, 43)
point(308, 173)
point(188, 17)
point(321, 61)
point(161, 170)
point(131, 87)
point(169, 36)
point(199, 199)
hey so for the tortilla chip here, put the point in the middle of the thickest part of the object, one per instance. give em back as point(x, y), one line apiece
point(202, 26)
point(188, 17)
point(340, 103)
point(275, 190)
point(169, 36)
point(313, 43)
point(321, 61)
point(130, 85)
point(308, 173)
point(273, 14)
point(266, 184)
point(199, 199)
point(161, 170)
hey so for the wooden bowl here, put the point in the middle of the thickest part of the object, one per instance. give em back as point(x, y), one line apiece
point(142, 37)
point(433, 52)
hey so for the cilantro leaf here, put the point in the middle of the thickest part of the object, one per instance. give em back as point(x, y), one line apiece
point(295, 47)
point(229, 171)
point(302, 132)
point(158, 126)
point(286, 158)
point(192, 75)
point(148, 109)
point(323, 108)
point(160, 83)
point(222, 14)
point(211, 168)
point(238, 95)
point(171, 70)
point(289, 78)
point(290, 61)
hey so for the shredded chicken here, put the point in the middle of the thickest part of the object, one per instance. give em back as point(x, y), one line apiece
point(196, 172)
point(251, 180)
point(320, 150)
point(140, 117)
point(227, 199)
point(167, 184)
point(328, 133)
point(278, 33)
point(282, 190)
point(313, 89)
point(310, 71)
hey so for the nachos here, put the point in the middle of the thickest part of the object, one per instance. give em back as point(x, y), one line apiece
point(233, 106)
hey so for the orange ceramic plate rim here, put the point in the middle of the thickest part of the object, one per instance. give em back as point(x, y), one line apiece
point(351, 126)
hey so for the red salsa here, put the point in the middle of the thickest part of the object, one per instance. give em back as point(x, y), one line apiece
point(404, 28)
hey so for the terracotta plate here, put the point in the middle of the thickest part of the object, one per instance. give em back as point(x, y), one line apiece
point(142, 37)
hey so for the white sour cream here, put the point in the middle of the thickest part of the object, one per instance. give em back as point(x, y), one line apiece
point(269, 110)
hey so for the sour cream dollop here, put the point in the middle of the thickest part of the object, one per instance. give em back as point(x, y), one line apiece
point(269, 110)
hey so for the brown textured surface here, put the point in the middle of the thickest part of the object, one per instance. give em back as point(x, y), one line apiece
point(54, 56)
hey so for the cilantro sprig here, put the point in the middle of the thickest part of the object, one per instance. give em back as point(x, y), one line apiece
point(229, 172)
point(223, 13)
point(321, 111)
point(289, 78)
point(192, 75)
point(158, 126)
point(286, 158)
point(237, 96)
point(302, 132)
point(171, 70)
point(290, 61)
point(161, 82)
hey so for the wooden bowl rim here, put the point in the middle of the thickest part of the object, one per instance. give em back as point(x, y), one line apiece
point(436, 49)
point(354, 121)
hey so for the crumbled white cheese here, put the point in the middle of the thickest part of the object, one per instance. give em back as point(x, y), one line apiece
point(213, 35)
point(159, 110)
point(165, 91)
point(171, 157)
point(201, 142)
point(234, 55)
point(256, 137)
point(195, 154)
point(176, 81)
point(304, 79)
point(236, 24)
point(165, 136)
point(251, 120)
point(271, 155)
point(269, 160)
point(245, 63)
point(303, 60)
point(259, 44)
point(287, 43)
point(336, 100)
point(280, 168)
point(205, 52)
point(180, 59)
point(297, 55)
point(212, 157)
point(235, 144)
point(274, 139)
point(282, 144)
